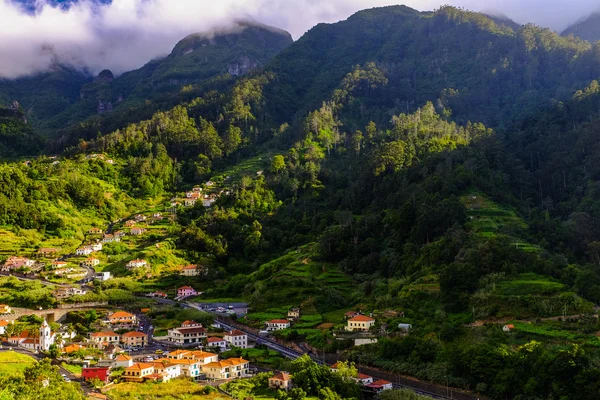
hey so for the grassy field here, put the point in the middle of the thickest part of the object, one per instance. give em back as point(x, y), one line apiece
point(13, 363)
point(528, 284)
point(74, 369)
point(176, 389)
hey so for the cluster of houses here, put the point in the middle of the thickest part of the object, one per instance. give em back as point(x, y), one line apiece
point(39, 340)
point(193, 333)
point(355, 321)
point(14, 263)
point(368, 382)
point(196, 195)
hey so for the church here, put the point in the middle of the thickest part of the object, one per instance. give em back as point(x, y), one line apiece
point(41, 341)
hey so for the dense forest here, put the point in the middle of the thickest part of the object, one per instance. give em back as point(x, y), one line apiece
point(443, 163)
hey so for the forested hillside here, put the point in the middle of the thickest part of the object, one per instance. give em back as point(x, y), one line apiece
point(587, 28)
point(439, 168)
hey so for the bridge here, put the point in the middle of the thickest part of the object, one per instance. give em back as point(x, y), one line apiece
point(54, 314)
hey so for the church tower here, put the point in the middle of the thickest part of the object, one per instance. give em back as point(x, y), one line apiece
point(45, 336)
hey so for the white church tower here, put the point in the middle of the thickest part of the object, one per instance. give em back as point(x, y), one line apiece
point(46, 337)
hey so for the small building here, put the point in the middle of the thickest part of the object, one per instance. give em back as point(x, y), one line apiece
point(185, 291)
point(360, 323)
point(59, 264)
point(105, 337)
point(123, 360)
point(134, 339)
point(137, 231)
point(351, 314)
point(101, 373)
point(189, 367)
point(3, 325)
point(136, 264)
point(5, 309)
point(226, 369)
point(192, 270)
point(103, 276)
point(66, 292)
point(236, 338)
point(363, 379)
point(72, 348)
point(190, 202)
point(108, 238)
point(293, 314)
point(122, 318)
point(277, 324)
point(191, 324)
point(405, 327)
point(167, 368)
point(130, 223)
point(140, 217)
point(216, 342)
point(280, 381)
point(47, 251)
point(119, 234)
point(17, 262)
point(508, 327)
point(91, 262)
point(84, 251)
point(41, 340)
point(96, 246)
point(380, 385)
point(160, 294)
point(138, 372)
point(95, 231)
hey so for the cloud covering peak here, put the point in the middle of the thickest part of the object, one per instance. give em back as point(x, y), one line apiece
point(122, 35)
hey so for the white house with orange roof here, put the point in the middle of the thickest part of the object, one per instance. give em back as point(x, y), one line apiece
point(5, 309)
point(192, 270)
point(138, 372)
point(122, 360)
point(91, 262)
point(3, 325)
point(216, 342)
point(226, 369)
point(277, 324)
point(185, 291)
point(105, 337)
point(136, 264)
point(137, 231)
point(122, 318)
point(380, 385)
point(360, 323)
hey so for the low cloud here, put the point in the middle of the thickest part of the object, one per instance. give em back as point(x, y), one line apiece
point(125, 34)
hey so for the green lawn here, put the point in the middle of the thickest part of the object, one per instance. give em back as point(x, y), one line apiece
point(13, 363)
point(74, 369)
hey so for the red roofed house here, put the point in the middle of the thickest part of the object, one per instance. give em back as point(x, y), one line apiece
point(216, 342)
point(363, 379)
point(46, 251)
point(508, 328)
point(351, 314)
point(280, 380)
point(105, 337)
point(122, 317)
point(101, 373)
point(360, 323)
point(192, 270)
point(237, 338)
point(134, 339)
point(138, 372)
point(380, 385)
point(3, 325)
point(277, 324)
point(16, 263)
point(186, 335)
point(186, 291)
point(191, 324)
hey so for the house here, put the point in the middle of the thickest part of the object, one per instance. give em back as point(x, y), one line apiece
point(105, 337)
point(136, 264)
point(17, 262)
point(66, 292)
point(192, 270)
point(237, 338)
point(180, 354)
point(95, 231)
point(140, 218)
point(168, 369)
point(183, 336)
point(405, 327)
point(360, 323)
point(91, 262)
point(216, 342)
point(5, 309)
point(119, 234)
point(380, 385)
point(293, 314)
point(130, 223)
point(203, 357)
point(277, 324)
point(158, 294)
point(100, 373)
point(189, 367)
point(209, 200)
point(351, 314)
point(47, 251)
point(122, 317)
point(108, 238)
point(84, 251)
point(134, 339)
point(123, 360)
point(280, 381)
point(62, 271)
point(72, 348)
point(59, 264)
point(185, 291)
point(137, 231)
point(96, 246)
point(138, 372)
point(3, 325)
point(191, 202)
point(191, 324)
point(102, 276)
point(226, 369)
point(508, 328)
point(157, 215)
point(363, 379)
point(42, 340)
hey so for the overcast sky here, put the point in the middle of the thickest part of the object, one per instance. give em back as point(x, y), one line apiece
point(125, 34)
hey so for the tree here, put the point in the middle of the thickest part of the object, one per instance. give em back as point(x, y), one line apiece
point(232, 139)
point(53, 351)
point(278, 163)
point(297, 394)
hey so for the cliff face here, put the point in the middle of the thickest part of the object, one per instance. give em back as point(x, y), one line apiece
point(242, 66)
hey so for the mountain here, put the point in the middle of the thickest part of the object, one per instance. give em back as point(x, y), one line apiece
point(587, 28)
point(198, 57)
point(479, 69)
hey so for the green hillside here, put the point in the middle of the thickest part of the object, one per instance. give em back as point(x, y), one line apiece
point(587, 28)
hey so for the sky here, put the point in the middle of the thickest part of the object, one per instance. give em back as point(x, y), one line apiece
point(122, 35)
